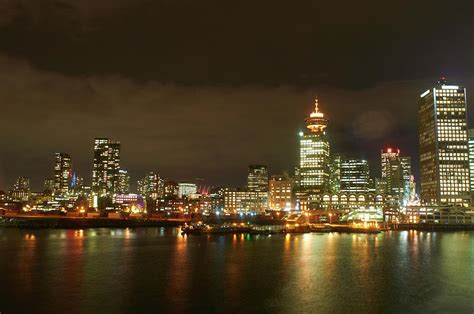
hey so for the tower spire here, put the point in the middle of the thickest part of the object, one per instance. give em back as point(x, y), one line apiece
point(316, 122)
point(316, 105)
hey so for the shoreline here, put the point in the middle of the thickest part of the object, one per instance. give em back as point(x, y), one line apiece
point(58, 222)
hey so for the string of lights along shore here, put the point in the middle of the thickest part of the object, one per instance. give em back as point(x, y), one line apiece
point(324, 182)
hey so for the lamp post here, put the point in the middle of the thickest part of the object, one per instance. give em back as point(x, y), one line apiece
point(330, 216)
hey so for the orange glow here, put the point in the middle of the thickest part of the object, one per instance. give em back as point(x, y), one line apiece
point(316, 121)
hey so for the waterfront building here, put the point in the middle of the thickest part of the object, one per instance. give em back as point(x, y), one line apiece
point(129, 203)
point(186, 188)
point(349, 201)
point(62, 173)
point(314, 160)
point(437, 215)
point(354, 176)
point(444, 153)
point(280, 193)
point(105, 174)
point(471, 162)
point(243, 201)
point(257, 179)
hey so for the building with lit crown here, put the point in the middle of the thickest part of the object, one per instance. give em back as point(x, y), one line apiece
point(396, 174)
point(444, 153)
point(314, 160)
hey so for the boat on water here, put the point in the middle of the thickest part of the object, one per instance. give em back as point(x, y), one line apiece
point(226, 228)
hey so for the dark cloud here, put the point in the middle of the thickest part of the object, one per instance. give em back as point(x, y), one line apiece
point(203, 88)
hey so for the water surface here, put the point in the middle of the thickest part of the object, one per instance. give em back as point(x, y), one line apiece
point(156, 269)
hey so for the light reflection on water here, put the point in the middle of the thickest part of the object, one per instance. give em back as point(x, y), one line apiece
point(134, 270)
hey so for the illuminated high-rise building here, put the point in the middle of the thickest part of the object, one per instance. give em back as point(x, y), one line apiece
point(123, 186)
point(257, 179)
point(105, 174)
point(335, 174)
point(444, 153)
point(62, 173)
point(151, 186)
point(354, 176)
point(314, 159)
point(396, 174)
point(471, 162)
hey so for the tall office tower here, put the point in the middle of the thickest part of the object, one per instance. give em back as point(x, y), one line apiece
point(444, 153)
point(471, 161)
point(281, 193)
point(396, 174)
point(105, 173)
point(314, 159)
point(335, 174)
point(257, 183)
point(62, 173)
point(150, 186)
point(123, 184)
point(386, 156)
point(257, 179)
point(354, 176)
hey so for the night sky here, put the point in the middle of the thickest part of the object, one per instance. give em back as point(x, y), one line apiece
point(201, 89)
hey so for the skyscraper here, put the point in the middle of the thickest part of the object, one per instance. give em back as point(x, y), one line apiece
point(444, 153)
point(335, 174)
point(62, 173)
point(257, 179)
point(123, 186)
point(471, 161)
point(396, 174)
point(257, 184)
point(314, 158)
point(354, 176)
point(106, 168)
point(151, 186)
